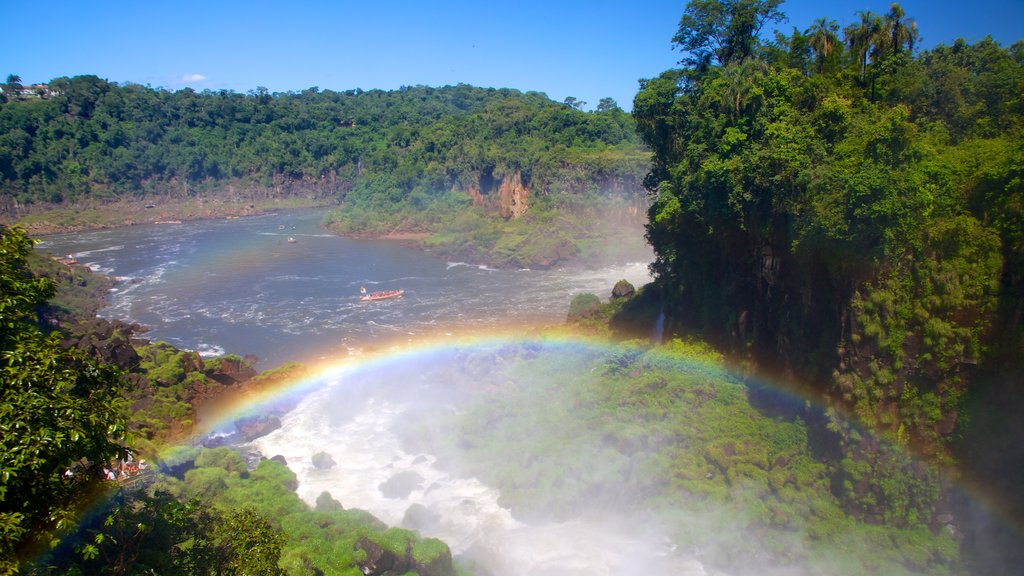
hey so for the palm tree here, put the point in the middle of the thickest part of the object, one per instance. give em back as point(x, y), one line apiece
point(899, 30)
point(862, 38)
point(739, 80)
point(13, 85)
point(823, 39)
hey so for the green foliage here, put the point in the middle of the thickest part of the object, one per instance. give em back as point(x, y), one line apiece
point(59, 408)
point(857, 206)
point(99, 140)
point(323, 538)
point(669, 433)
point(583, 305)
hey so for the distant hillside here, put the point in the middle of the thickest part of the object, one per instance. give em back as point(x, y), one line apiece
point(92, 140)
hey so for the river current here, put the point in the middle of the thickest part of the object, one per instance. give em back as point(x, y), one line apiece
point(281, 288)
point(241, 287)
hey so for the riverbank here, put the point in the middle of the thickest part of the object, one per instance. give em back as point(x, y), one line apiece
point(58, 219)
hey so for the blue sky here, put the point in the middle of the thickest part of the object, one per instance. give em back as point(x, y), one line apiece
point(588, 50)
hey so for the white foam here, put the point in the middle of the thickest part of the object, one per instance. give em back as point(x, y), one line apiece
point(368, 453)
point(209, 350)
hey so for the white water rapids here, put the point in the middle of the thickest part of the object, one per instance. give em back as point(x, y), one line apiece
point(368, 453)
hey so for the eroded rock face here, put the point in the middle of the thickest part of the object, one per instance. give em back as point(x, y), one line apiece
point(512, 196)
point(511, 199)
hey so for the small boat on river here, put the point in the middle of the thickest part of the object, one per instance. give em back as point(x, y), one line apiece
point(383, 295)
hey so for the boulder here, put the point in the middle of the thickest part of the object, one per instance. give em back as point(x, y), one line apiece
point(380, 561)
point(230, 370)
point(323, 461)
point(420, 518)
point(401, 485)
point(428, 557)
point(623, 289)
point(256, 426)
point(107, 341)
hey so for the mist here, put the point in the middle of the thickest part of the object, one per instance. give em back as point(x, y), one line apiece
point(529, 457)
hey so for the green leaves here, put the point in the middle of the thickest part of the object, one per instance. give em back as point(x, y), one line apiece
point(57, 408)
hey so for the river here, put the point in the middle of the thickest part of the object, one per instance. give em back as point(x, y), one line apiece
point(281, 288)
point(239, 286)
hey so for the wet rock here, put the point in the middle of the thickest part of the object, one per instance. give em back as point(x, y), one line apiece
point(401, 485)
point(623, 289)
point(326, 503)
point(431, 558)
point(107, 341)
point(257, 426)
point(583, 306)
point(323, 461)
point(191, 362)
point(380, 561)
point(420, 518)
point(230, 371)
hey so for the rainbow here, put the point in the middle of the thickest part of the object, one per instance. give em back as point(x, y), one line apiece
point(447, 347)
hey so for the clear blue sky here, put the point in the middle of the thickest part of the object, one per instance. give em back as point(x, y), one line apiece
point(588, 50)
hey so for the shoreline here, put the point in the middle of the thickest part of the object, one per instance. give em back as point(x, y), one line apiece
point(124, 213)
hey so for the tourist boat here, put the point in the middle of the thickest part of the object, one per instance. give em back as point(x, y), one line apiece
point(292, 240)
point(373, 296)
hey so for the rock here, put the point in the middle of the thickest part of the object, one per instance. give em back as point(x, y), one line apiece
point(401, 485)
point(420, 518)
point(583, 306)
point(279, 458)
point(429, 557)
point(254, 427)
point(323, 461)
point(326, 503)
point(191, 362)
point(379, 561)
point(513, 195)
point(623, 289)
point(109, 342)
point(230, 371)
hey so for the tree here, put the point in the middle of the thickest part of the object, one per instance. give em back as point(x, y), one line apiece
point(899, 31)
point(607, 105)
point(862, 37)
point(61, 414)
point(573, 103)
point(724, 31)
point(13, 86)
point(823, 40)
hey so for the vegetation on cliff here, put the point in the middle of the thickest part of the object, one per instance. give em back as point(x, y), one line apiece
point(846, 212)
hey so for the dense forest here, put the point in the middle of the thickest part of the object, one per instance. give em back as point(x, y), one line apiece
point(89, 138)
point(843, 212)
point(486, 171)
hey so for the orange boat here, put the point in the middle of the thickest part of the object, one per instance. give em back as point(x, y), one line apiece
point(373, 296)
